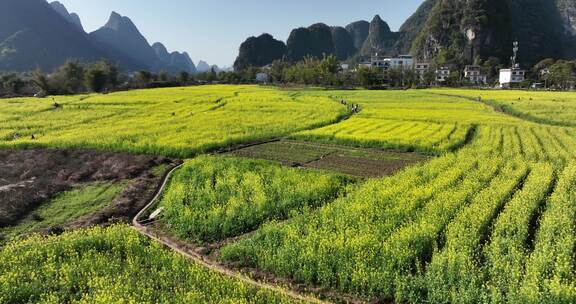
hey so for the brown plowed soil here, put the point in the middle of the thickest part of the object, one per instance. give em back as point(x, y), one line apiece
point(364, 163)
point(30, 177)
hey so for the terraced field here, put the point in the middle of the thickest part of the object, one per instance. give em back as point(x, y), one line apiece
point(490, 219)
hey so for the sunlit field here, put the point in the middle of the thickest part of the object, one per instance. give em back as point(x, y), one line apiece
point(212, 198)
point(113, 265)
point(489, 219)
point(407, 120)
point(556, 108)
point(178, 122)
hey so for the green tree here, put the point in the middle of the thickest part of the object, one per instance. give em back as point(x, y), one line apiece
point(72, 73)
point(367, 77)
point(42, 81)
point(562, 74)
point(163, 76)
point(95, 78)
point(184, 77)
point(144, 78)
point(277, 70)
point(12, 84)
point(112, 72)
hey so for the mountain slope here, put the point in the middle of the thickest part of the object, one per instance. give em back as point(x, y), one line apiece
point(315, 41)
point(203, 67)
point(33, 35)
point(541, 27)
point(259, 51)
point(174, 62)
point(122, 35)
point(380, 39)
point(343, 43)
point(413, 26)
point(359, 31)
point(71, 17)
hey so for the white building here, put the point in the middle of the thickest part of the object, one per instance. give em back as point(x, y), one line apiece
point(421, 68)
point(515, 75)
point(405, 62)
point(474, 74)
point(262, 77)
point(512, 77)
point(442, 74)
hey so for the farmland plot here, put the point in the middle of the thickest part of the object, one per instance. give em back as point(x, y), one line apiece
point(489, 220)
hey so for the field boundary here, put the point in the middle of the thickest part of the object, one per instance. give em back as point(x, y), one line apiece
point(201, 260)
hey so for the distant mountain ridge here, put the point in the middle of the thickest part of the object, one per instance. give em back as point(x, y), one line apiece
point(174, 62)
point(36, 34)
point(357, 39)
point(71, 17)
point(122, 35)
point(454, 32)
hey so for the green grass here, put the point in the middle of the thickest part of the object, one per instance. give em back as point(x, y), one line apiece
point(66, 207)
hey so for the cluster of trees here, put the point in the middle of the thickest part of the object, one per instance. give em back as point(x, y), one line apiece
point(11, 84)
point(556, 74)
point(75, 77)
point(328, 72)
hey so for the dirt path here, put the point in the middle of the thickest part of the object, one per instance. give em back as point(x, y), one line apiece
point(175, 246)
point(205, 261)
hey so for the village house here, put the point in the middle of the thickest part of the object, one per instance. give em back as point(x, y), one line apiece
point(473, 74)
point(442, 74)
point(404, 62)
point(421, 68)
point(512, 77)
point(262, 77)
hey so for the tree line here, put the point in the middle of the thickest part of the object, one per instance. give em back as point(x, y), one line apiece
point(75, 77)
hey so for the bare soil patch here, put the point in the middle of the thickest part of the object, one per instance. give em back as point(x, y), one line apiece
point(29, 178)
point(365, 163)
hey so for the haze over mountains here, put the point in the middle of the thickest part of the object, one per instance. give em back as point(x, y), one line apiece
point(446, 32)
point(37, 34)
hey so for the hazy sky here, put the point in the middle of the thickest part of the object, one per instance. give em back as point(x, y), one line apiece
point(212, 30)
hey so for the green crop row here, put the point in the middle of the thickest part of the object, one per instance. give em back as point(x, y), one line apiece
point(430, 233)
point(113, 265)
point(509, 246)
point(213, 198)
point(550, 272)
